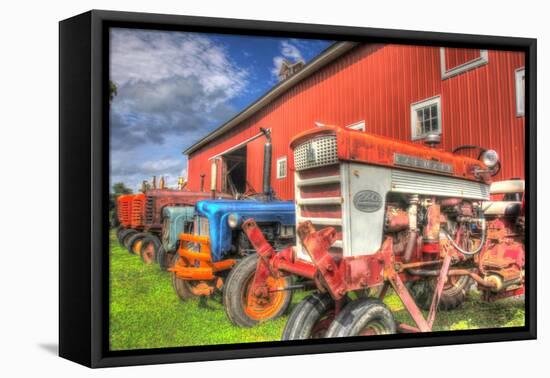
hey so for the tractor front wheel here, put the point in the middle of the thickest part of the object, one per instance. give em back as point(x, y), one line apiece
point(165, 258)
point(133, 242)
point(453, 294)
point(182, 288)
point(242, 307)
point(311, 318)
point(149, 248)
point(363, 317)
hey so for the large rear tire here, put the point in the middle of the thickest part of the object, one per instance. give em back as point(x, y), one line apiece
point(311, 318)
point(123, 233)
point(149, 249)
point(133, 242)
point(125, 237)
point(453, 294)
point(363, 317)
point(244, 309)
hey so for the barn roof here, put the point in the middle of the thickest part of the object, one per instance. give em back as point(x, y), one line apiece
point(333, 52)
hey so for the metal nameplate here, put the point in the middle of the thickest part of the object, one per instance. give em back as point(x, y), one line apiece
point(418, 163)
point(367, 201)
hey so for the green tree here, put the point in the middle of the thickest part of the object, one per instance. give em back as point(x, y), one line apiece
point(118, 189)
point(113, 91)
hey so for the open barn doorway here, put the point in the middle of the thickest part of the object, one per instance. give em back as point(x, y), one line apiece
point(234, 172)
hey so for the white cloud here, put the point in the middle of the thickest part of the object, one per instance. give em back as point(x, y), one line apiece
point(173, 87)
point(288, 51)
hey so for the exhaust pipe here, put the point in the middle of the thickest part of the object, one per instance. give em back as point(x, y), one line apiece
point(202, 182)
point(213, 178)
point(267, 163)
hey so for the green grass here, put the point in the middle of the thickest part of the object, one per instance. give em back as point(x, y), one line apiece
point(146, 313)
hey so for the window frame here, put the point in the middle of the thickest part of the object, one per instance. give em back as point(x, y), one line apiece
point(464, 67)
point(435, 100)
point(519, 73)
point(279, 160)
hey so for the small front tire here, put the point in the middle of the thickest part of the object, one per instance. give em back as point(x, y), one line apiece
point(311, 318)
point(149, 249)
point(244, 309)
point(363, 317)
point(165, 258)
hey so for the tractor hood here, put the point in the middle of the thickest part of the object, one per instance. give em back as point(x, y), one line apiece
point(217, 212)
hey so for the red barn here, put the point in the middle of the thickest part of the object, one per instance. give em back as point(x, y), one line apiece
point(468, 96)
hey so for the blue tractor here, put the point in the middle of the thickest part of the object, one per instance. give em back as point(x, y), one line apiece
point(205, 257)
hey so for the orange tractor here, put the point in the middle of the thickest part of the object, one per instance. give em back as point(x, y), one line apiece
point(374, 213)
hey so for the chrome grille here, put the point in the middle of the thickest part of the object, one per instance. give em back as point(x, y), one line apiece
point(204, 227)
point(316, 153)
point(421, 183)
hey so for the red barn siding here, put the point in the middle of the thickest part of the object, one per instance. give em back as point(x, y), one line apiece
point(378, 84)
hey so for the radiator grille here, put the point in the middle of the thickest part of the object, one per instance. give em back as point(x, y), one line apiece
point(149, 206)
point(124, 213)
point(316, 153)
point(137, 212)
point(421, 183)
point(319, 200)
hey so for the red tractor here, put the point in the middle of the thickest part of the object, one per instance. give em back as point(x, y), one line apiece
point(375, 213)
point(143, 226)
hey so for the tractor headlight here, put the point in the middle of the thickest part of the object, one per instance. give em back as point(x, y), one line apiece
point(490, 158)
point(233, 220)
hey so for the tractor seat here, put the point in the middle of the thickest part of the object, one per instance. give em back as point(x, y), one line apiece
point(502, 208)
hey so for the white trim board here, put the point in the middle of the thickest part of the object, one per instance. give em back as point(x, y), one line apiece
point(237, 146)
point(445, 74)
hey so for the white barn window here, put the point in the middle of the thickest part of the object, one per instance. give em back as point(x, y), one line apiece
point(426, 118)
point(520, 92)
point(281, 167)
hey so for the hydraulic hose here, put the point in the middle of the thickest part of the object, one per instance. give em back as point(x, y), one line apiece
point(478, 249)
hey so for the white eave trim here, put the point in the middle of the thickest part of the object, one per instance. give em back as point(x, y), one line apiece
point(332, 53)
point(237, 146)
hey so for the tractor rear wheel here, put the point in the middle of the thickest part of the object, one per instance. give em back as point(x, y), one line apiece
point(453, 294)
point(119, 231)
point(165, 258)
point(242, 307)
point(311, 318)
point(125, 235)
point(149, 248)
point(133, 242)
point(363, 317)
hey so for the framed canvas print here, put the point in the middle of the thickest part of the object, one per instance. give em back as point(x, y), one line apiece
point(235, 188)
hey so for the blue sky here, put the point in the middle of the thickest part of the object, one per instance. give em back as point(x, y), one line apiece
point(176, 87)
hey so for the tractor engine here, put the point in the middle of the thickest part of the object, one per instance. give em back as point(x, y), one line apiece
point(421, 202)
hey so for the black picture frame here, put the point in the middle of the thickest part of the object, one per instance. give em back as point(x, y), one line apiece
point(84, 169)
